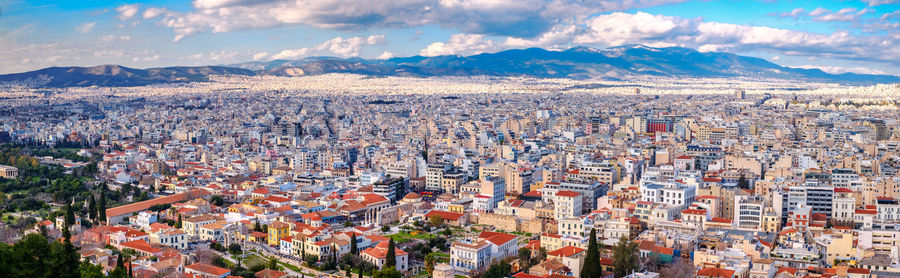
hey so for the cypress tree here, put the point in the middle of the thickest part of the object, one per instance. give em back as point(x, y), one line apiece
point(92, 207)
point(353, 248)
point(592, 267)
point(391, 256)
point(67, 225)
point(101, 208)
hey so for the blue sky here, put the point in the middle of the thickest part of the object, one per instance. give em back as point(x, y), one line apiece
point(837, 36)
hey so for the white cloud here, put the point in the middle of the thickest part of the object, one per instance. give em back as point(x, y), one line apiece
point(559, 35)
point(154, 12)
point(517, 18)
point(291, 54)
point(839, 69)
point(657, 30)
point(126, 12)
point(891, 15)
point(873, 3)
point(86, 27)
point(349, 47)
point(845, 14)
point(386, 55)
point(111, 37)
point(818, 11)
point(259, 56)
point(621, 28)
point(150, 58)
point(461, 44)
point(794, 13)
point(714, 47)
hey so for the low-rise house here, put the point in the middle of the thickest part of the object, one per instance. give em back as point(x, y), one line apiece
point(378, 255)
point(206, 270)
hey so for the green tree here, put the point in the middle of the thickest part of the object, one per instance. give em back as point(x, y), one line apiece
point(624, 260)
point(256, 226)
point(429, 263)
point(436, 220)
point(101, 207)
point(591, 268)
point(119, 271)
point(178, 224)
point(391, 257)
point(524, 257)
point(353, 247)
point(92, 207)
point(388, 272)
point(499, 269)
point(88, 270)
point(273, 264)
point(64, 260)
point(311, 260)
point(29, 255)
point(234, 248)
point(217, 200)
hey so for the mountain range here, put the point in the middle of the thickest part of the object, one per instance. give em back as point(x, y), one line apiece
point(630, 62)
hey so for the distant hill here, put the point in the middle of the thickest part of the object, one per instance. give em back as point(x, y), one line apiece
point(118, 76)
point(622, 62)
point(629, 62)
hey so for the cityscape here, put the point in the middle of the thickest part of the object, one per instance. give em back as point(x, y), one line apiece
point(640, 153)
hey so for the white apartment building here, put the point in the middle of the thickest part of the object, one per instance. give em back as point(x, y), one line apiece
point(567, 204)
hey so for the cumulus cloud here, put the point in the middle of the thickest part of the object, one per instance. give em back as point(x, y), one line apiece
point(386, 55)
point(461, 44)
point(620, 28)
point(259, 56)
point(516, 18)
point(86, 27)
point(349, 47)
point(794, 13)
point(839, 69)
point(708, 36)
point(845, 14)
point(127, 12)
point(873, 3)
point(154, 12)
point(291, 54)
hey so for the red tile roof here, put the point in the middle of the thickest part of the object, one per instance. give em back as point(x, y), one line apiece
point(566, 193)
point(721, 220)
point(566, 251)
point(207, 268)
point(694, 211)
point(140, 206)
point(140, 245)
point(715, 272)
point(446, 215)
point(496, 238)
point(843, 190)
point(380, 251)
